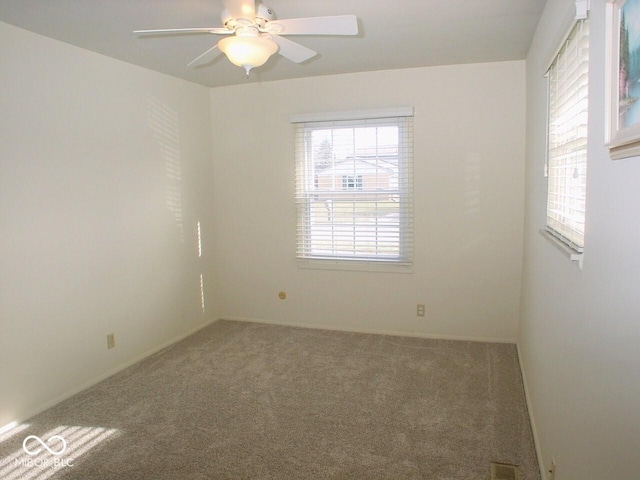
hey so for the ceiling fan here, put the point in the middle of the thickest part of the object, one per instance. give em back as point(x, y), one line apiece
point(253, 34)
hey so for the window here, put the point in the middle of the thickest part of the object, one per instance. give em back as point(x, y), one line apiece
point(350, 182)
point(354, 186)
point(567, 138)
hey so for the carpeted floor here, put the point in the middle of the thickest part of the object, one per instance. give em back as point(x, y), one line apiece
point(253, 401)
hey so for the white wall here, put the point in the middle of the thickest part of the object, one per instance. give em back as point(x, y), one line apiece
point(102, 171)
point(580, 330)
point(469, 178)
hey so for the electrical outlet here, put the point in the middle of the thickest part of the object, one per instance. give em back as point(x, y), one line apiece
point(420, 311)
point(552, 470)
point(111, 341)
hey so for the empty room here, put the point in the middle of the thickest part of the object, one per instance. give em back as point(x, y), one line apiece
point(319, 240)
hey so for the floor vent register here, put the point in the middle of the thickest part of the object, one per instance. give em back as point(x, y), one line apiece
point(504, 471)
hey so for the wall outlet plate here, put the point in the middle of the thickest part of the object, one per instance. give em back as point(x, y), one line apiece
point(111, 341)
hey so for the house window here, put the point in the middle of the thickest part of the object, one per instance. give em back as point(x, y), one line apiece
point(352, 182)
point(354, 186)
point(566, 167)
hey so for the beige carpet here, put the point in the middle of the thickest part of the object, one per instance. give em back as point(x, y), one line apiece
point(252, 401)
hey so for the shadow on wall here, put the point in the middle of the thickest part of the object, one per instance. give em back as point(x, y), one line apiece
point(164, 124)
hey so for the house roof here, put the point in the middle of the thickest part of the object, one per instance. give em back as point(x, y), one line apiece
point(359, 166)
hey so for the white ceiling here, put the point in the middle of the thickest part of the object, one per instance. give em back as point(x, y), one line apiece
point(393, 33)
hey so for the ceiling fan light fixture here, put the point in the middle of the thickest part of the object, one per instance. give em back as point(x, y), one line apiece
point(248, 51)
point(253, 35)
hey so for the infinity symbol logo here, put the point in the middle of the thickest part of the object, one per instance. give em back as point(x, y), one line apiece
point(39, 440)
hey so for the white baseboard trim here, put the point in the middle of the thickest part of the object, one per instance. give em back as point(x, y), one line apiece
point(394, 333)
point(536, 443)
point(34, 411)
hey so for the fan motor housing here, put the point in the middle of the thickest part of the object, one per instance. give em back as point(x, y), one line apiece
point(263, 14)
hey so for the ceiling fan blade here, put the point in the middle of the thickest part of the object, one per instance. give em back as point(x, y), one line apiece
point(241, 8)
point(293, 51)
point(216, 30)
point(206, 57)
point(334, 25)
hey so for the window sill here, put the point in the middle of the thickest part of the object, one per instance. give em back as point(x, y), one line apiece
point(568, 252)
point(355, 266)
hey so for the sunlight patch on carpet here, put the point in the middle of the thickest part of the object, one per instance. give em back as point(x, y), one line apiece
point(42, 456)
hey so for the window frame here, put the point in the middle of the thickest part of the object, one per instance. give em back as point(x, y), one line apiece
point(306, 181)
point(559, 230)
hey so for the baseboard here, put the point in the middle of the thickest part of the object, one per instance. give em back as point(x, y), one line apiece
point(32, 412)
point(394, 333)
point(534, 431)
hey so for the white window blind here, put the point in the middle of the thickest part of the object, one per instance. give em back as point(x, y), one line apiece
point(567, 138)
point(354, 188)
